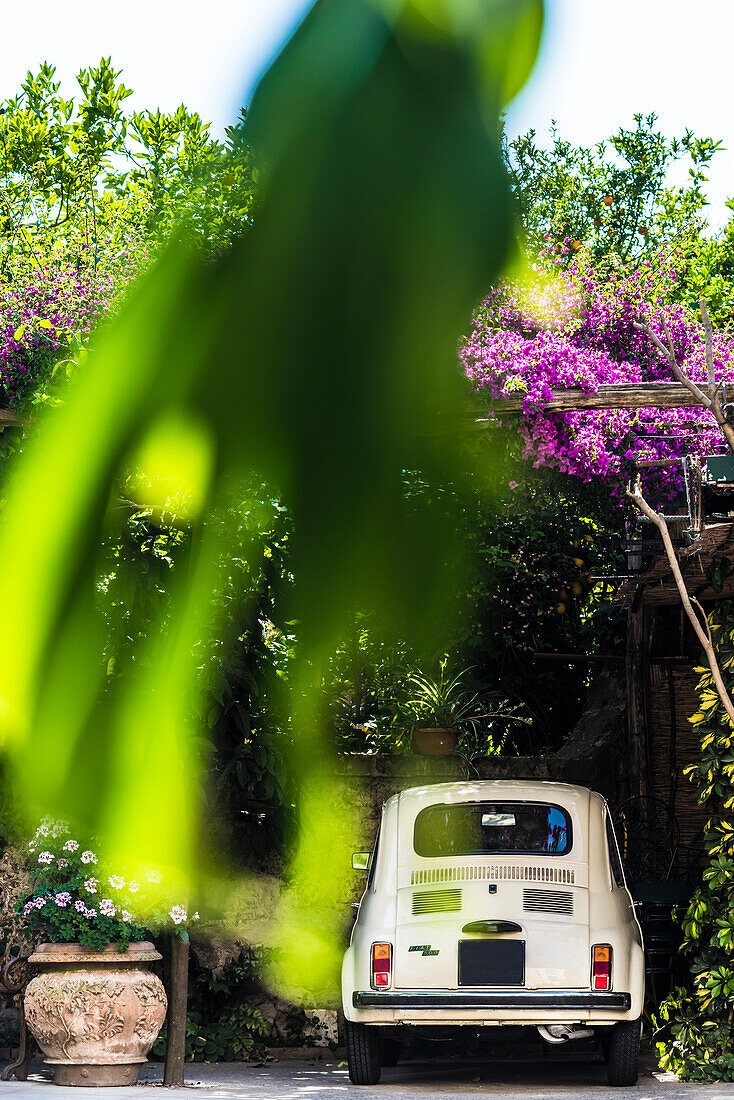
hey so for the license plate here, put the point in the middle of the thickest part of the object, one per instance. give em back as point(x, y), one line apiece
point(491, 962)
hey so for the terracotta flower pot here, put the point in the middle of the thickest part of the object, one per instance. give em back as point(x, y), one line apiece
point(95, 1014)
point(434, 741)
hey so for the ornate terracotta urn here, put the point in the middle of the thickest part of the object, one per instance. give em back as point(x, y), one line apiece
point(95, 1014)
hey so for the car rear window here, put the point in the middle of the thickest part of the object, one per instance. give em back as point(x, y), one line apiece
point(484, 828)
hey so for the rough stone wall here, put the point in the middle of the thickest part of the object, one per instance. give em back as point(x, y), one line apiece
point(591, 761)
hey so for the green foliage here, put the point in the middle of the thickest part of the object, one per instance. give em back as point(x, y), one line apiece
point(315, 356)
point(221, 1025)
point(54, 152)
point(694, 1032)
point(444, 701)
point(185, 181)
point(80, 177)
point(244, 659)
point(612, 205)
point(530, 587)
point(531, 543)
point(88, 196)
point(363, 686)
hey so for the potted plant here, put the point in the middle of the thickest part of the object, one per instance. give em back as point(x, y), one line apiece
point(94, 1008)
point(441, 710)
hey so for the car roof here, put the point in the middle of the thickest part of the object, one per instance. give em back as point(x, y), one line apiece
point(568, 795)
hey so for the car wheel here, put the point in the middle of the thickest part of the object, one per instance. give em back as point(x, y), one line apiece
point(390, 1051)
point(624, 1053)
point(363, 1053)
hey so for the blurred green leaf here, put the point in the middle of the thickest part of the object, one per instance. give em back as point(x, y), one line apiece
point(319, 354)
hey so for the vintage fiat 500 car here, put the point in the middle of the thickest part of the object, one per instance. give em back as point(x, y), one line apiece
point(494, 903)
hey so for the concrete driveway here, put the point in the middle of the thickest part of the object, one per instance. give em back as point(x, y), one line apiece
point(328, 1080)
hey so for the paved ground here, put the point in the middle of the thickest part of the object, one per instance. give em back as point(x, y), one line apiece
point(289, 1080)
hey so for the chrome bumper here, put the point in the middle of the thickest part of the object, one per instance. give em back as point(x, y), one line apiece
point(467, 999)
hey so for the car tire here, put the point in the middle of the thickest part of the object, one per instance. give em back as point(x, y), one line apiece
point(363, 1053)
point(624, 1053)
point(390, 1051)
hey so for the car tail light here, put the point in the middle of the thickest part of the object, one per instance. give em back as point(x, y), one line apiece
point(601, 966)
point(381, 967)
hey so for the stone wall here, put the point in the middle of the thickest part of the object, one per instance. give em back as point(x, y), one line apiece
point(370, 780)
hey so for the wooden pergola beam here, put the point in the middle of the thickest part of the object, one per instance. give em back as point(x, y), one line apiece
point(621, 395)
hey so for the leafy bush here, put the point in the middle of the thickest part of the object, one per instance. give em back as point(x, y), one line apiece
point(694, 1028)
point(221, 1025)
point(90, 192)
point(614, 204)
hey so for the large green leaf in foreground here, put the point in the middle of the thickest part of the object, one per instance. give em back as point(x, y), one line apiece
point(320, 354)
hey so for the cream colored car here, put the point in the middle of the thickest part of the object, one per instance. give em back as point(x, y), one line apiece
point(494, 903)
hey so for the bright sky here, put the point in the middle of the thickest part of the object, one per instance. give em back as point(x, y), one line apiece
point(601, 61)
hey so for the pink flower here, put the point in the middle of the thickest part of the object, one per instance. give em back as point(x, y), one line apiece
point(63, 899)
point(61, 863)
point(90, 885)
point(178, 914)
point(127, 917)
point(116, 882)
point(45, 857)
point(71, 845)
point(88, 857)
point(107, 907)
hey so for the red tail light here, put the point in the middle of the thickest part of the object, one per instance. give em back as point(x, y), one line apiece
point(381, 966)
point(601, 966)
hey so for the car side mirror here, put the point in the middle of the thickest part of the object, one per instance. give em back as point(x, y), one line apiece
point(361, 861)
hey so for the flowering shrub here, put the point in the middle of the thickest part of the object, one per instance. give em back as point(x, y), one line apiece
point(47, 312)
point(579, 332)
point(76, 900)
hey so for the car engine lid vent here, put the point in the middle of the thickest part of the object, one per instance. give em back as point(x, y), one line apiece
point(436, 901)
point(493, 872)
point(547, 901)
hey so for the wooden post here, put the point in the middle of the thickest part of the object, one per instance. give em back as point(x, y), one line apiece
point(177, 996)
point(636, 718)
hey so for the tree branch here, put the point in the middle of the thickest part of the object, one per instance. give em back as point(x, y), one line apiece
point(709, 334)
point(673, 364)
point(690, 603)
point(710, 401)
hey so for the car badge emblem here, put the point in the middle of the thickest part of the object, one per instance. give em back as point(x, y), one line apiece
point(424, 948)
point(493, 887)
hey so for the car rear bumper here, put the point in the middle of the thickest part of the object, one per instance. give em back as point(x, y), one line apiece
point(463, 1000)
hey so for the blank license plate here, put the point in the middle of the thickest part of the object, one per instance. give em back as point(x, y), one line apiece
point(491, 962)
